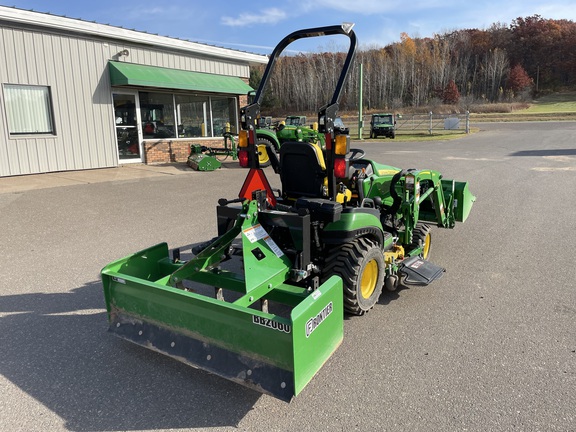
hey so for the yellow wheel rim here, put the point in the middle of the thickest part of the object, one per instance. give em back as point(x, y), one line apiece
point(426, 248)
point(369, 278)
point(262, 154)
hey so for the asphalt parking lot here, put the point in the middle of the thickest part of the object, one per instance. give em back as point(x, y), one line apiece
point(490, 346)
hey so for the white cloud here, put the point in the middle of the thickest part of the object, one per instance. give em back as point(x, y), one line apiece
point(266, 16)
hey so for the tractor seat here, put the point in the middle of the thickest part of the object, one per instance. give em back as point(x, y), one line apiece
point(359, 165)
point(302, 170)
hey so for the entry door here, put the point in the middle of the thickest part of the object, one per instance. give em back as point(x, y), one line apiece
point(127, 123)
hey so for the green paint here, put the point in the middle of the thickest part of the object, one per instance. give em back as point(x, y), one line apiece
point(142, 286)
point(130, 74)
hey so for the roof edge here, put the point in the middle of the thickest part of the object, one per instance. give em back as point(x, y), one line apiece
point(47, 20)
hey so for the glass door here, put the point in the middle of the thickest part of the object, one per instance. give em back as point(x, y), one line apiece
point(127, 123)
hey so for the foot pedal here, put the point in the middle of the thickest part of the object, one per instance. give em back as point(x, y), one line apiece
point(418, 271)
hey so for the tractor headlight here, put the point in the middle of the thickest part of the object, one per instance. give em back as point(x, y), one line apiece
point(409, 182)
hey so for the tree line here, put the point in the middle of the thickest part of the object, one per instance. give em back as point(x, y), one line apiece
point(501, 63)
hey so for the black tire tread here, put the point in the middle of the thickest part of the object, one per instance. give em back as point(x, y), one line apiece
point(421, 230)
point(344, 261)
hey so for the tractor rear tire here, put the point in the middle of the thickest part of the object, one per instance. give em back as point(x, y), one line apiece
point(361, 266)
point(263, 157)
point(422, 233)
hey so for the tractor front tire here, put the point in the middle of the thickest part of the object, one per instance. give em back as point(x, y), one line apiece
point(263, 157)
point(360, 264)
point(422, 233)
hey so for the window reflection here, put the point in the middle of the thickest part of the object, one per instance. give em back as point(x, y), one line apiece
point(157, 113)
point(166, 115)
point(224, 113)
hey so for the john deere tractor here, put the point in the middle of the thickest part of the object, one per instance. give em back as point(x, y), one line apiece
point(263, 302)
point(294, 128)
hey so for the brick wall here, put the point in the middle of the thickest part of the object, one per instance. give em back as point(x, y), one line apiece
point(166, 151)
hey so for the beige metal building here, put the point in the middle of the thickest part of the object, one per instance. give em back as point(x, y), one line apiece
point(78, 95)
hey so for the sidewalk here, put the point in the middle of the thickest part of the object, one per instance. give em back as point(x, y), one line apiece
point(68, 178)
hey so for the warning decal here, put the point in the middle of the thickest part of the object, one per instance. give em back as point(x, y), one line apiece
point(257, 232)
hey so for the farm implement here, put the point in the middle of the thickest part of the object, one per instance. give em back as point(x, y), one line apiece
point(263, 302)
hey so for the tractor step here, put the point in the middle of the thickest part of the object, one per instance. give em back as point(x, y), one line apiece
point(418, 271)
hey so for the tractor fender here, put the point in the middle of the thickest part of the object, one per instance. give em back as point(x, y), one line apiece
point(270, 136)
point(355, 223)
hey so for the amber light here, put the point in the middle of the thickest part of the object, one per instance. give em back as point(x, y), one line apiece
point(243, 139)
point(342, 145)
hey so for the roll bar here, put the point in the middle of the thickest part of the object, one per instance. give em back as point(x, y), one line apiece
point(326, 115)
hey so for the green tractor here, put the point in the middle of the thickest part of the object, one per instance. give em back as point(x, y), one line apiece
point(383, 125)
point(263, 303)
point(295, 120)
point(292, 129)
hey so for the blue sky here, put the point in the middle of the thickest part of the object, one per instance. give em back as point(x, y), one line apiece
point(257, 29)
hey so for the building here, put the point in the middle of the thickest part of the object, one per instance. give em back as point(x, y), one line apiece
point(79, 95)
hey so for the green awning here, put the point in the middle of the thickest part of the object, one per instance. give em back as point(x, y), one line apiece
point(130, 74)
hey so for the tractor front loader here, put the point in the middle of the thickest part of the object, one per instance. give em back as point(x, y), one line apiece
point(341, 229)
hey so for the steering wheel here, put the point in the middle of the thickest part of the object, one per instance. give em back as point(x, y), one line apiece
point(356, 154)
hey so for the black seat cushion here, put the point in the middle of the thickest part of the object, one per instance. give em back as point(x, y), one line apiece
point(301, 172)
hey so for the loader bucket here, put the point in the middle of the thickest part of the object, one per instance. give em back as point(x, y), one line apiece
point(272, 354)
point(461, 196)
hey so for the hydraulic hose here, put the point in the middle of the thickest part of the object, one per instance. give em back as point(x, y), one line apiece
point(397, 198)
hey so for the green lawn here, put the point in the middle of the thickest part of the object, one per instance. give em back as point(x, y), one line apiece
point(561, 102)
point(414, 135)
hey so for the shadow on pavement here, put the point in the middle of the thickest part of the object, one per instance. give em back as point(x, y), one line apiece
point(551, 152)
point(56, 348)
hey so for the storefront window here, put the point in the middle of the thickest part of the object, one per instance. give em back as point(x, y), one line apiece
point(157, 113)
point(166, 115)
point(223, 115)
point(192, 115)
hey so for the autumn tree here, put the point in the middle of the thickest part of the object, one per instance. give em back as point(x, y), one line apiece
point(546, 49)
point(519, 80)
point(469, 63)
point(451, 95)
